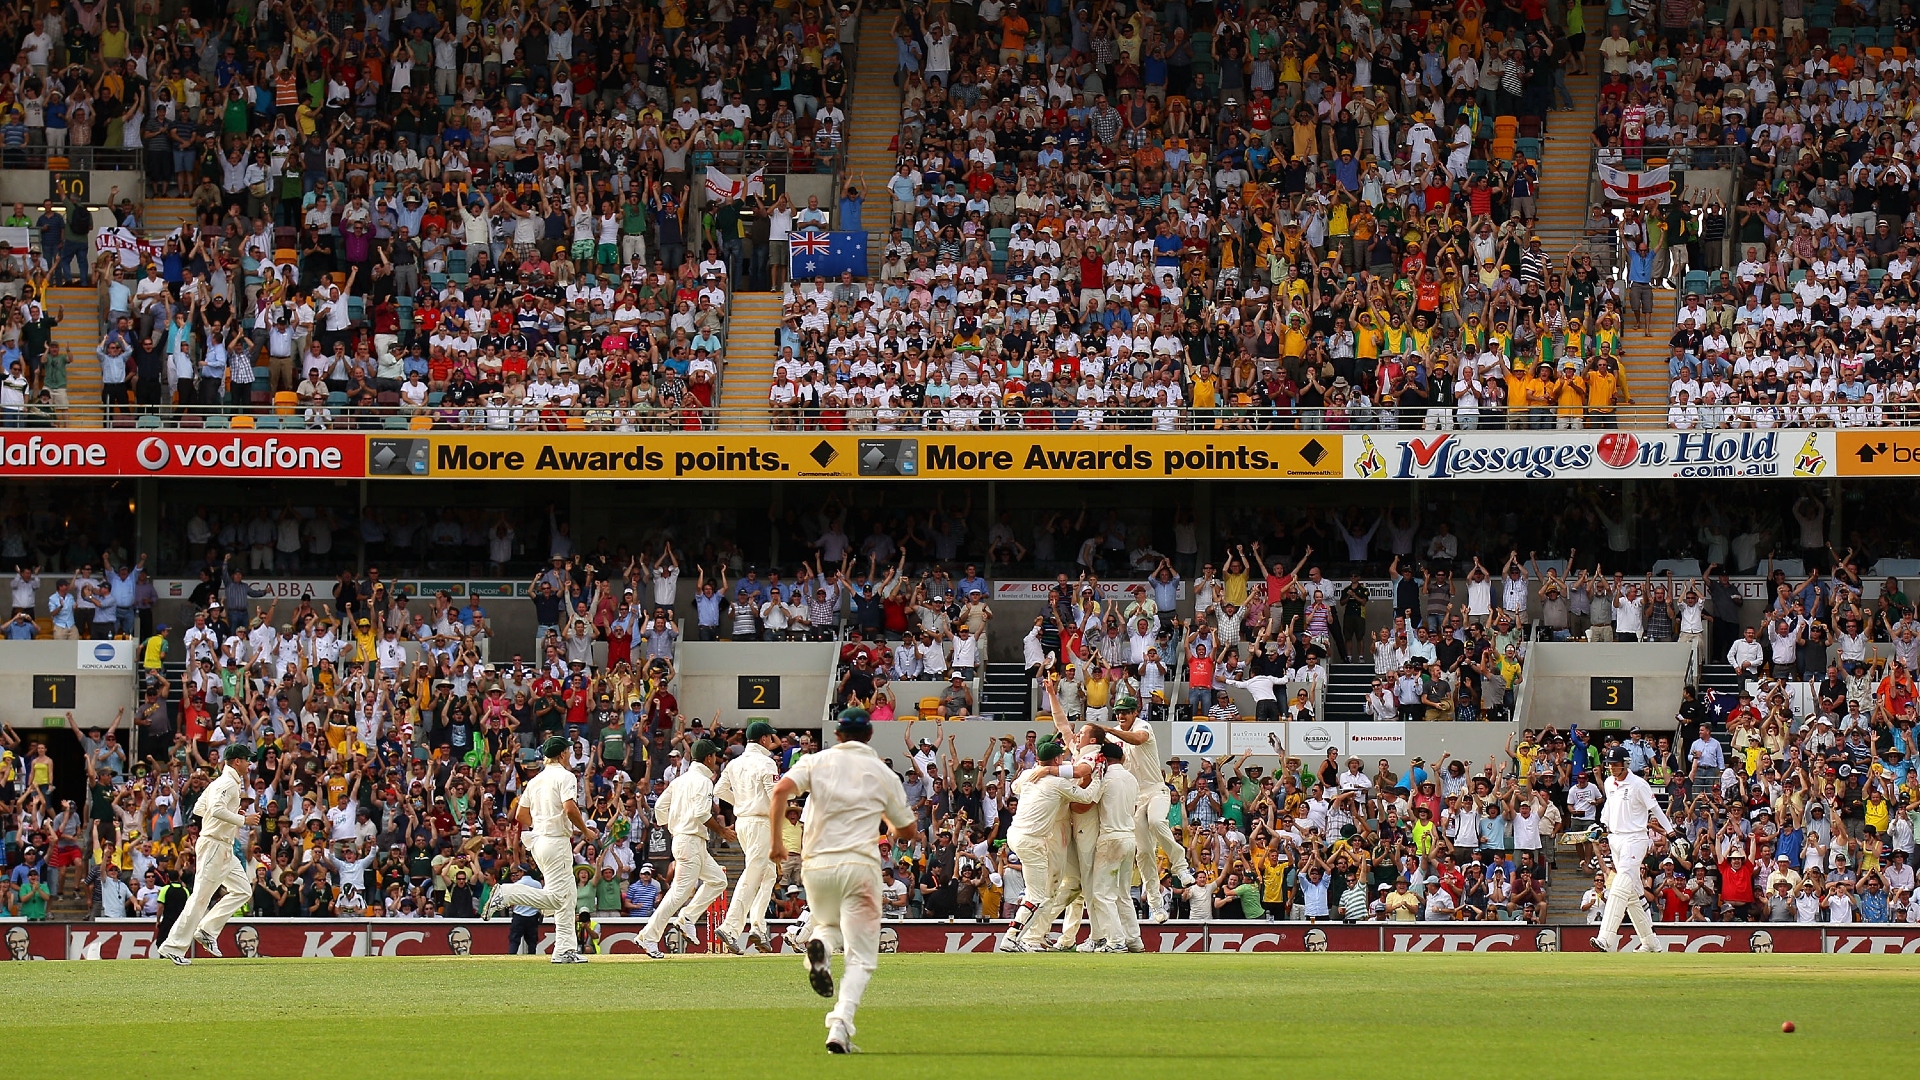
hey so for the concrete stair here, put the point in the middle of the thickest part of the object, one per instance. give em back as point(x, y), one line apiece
point(1565, 165)
point(873, 119)
point(162, 216)
point(79, 335)
point(1644, 360)
point(752, 330)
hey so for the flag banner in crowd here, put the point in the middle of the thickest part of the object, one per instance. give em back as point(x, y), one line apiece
point(721, 187)
point(132, 250)
point(818, 254)
point(133, 939)
point(756, 182)
point(1647, 186)
point(1585, 455)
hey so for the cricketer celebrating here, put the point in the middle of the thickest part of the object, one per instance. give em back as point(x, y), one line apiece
point(747, 785)
point(687, 809)
point(851, 792)
point(1035, 835)
point(1151, 833)
point(548, 813)
point(1109, 908)
point(1629, 807)
point(219, 866)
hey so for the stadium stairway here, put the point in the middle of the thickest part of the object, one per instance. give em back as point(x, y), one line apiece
point(1007, 693)
point(1644, 360)
point(752, 329)
point(873, 120)
point(1565, 169)
point(79, 336)
point(1347, 687)
point(163, 216)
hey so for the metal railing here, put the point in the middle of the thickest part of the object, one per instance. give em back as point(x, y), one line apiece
point(606, 420)
point(1679, 155)
point(76, 158)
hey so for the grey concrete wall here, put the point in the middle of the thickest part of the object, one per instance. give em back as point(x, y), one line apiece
point(1558, 683)
point(709, 679)
point(97, 694)
point(30, 186)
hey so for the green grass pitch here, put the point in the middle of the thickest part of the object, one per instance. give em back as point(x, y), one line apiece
point(1563, 1015)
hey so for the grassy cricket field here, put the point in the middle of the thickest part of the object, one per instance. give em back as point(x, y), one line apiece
point(1270, 1014)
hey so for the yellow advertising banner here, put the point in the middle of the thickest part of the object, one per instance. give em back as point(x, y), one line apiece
point(1065, 455)
point(1878, 452)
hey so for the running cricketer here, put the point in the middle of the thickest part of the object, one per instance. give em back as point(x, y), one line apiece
point(1151, 833)
point(746, 784)
point(851, 793)
point(1627, 814)
point(1037, 835)
point(219, 861)
point(1109, 907)
point(548, 813)
point(687, 809)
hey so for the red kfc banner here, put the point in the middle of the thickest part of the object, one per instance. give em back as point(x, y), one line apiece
point(1712, 937)
point(58, 452)
point(1873, 938)
point(134, 939)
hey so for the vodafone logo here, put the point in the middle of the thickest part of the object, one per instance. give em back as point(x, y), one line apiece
point(155, 454)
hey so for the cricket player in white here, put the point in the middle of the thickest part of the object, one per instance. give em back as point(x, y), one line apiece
point(851, 792)
point(1109, 907)
point(1037, 835)
point(1627, 814)
point(1074, 868)
point(747, 785)
point(548, 813)
point(218, 861)
point(1151, 833)
point(687, 809)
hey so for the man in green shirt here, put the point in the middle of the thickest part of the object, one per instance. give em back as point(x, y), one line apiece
point(19, 219)
point(53, 378)
point(34, 897)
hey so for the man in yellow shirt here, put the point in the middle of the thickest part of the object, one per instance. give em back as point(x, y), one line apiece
point(1604, 390)
point(1569, 397)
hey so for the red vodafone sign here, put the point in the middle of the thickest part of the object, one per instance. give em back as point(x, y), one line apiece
point(233, 454)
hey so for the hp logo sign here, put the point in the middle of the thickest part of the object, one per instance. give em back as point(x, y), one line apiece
point(1199, 739)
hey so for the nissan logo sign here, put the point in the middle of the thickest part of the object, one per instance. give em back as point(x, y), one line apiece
point(1317, 738)
point(1199, 739)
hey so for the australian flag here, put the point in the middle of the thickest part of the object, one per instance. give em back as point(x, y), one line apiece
point(818, 254)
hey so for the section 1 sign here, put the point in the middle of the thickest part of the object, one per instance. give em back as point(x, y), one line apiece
point(1590, 455)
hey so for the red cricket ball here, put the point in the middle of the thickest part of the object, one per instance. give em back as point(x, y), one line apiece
point(1618, 448)
point(1787, 1028)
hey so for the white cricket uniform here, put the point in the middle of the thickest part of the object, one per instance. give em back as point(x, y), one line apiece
point(217, 866)
point(685, 807)
point(549, 839)
point(1151, 833)
point(1083, 836)
point(850, 792)
point(747, 785)
point(1629, 805)
point(1038, 836)
point(1109, 908)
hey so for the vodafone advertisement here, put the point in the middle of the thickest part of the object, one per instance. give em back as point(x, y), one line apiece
point(134, 939)
point(183, 453)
